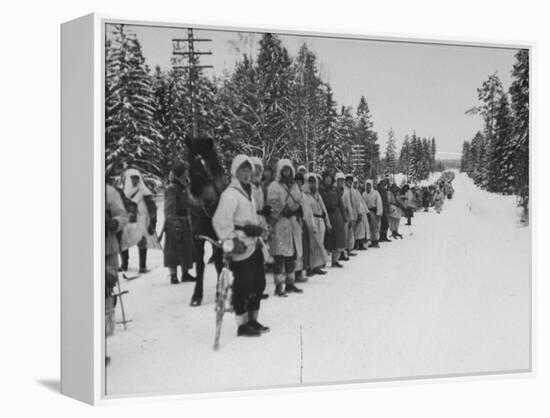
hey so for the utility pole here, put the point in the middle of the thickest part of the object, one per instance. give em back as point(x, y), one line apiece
point(185, 57)
point(358, 154)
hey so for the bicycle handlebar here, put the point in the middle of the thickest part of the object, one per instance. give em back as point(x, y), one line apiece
point(212, 241)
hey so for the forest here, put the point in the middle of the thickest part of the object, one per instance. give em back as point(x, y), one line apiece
point(272, 105)
point(497, 157)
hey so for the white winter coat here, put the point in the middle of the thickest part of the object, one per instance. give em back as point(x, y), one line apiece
point(286, 237)
point(374, 200)
point(236, 207)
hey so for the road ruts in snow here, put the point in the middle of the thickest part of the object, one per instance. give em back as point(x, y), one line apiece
point(453, 298)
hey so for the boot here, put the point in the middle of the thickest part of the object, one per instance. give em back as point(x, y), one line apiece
point(360, 246)
point(196, 299)
point(279, 290)
point(299, 277)
point(124, 258)
point(319, 270)
point(253, 322)
point(343, 256)
point(336, 264)
point(143, 260)
point(173, 278)
point(246, 330)
point(374, 244)
point(310, 272)
point(291, 288)
point(187, 277)
point(351, 253)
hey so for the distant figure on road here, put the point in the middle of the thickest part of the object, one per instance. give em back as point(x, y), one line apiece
point(439, 197)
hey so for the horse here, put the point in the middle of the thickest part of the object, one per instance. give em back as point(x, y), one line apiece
point(207, 182)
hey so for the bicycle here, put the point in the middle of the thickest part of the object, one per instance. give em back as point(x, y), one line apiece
point(224, 286)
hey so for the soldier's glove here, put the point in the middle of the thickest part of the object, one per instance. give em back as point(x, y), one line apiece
point(286, 212)
point(266, 211)
point(253, 230)
point(152, 228)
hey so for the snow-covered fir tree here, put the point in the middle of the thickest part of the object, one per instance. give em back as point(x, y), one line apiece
point(274, 75)
point(519, 98)
point(366, 136)
point(465, 160)
point(335, 135)
point(404, 156)
point(488, 94)
point(390, 159)
point(346, 138)
point(502, 153)
point(171, 116)
point(132, 136)
point(306, 104)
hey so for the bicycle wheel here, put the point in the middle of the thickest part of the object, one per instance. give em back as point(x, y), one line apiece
point(222, 287)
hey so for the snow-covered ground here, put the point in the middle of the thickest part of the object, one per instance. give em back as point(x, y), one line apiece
point(452, 298)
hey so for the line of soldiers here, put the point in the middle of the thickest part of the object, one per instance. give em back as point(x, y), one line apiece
point(290, 222)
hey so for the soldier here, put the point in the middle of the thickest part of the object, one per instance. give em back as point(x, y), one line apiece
point(178, 241)
point(236, 218)
point(285, 199)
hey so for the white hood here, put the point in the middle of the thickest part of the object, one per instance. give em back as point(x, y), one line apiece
point(285, 162)
point(238, 161)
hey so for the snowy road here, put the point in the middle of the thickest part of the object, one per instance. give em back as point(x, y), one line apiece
point(452, 298)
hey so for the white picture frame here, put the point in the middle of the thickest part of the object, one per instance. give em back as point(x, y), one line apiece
point(82, 199)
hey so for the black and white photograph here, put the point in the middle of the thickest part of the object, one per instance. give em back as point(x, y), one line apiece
point(299, 209)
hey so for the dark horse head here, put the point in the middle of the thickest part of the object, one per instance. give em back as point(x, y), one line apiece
point(206, 174)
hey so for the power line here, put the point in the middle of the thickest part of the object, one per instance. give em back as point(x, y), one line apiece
point(186, 57)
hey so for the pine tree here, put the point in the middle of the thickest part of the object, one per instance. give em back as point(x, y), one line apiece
point(170, 115)
point(477, 151)
point(390, 162)
point(519, 94)
point(364, 135)
point(274, 74)
point(502, 153)
point(345, 139)
point(426, 159)
point(405, 156)
point(306, 98)
point(132, 137)
point(415, 159)
point(489, 94)
point(465, 160)
point(332, 149)
point(240, 106)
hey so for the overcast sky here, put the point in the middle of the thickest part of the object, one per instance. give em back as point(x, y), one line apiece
point(408, 86)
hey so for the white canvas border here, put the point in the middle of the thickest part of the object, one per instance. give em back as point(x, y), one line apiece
point(99, 372)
